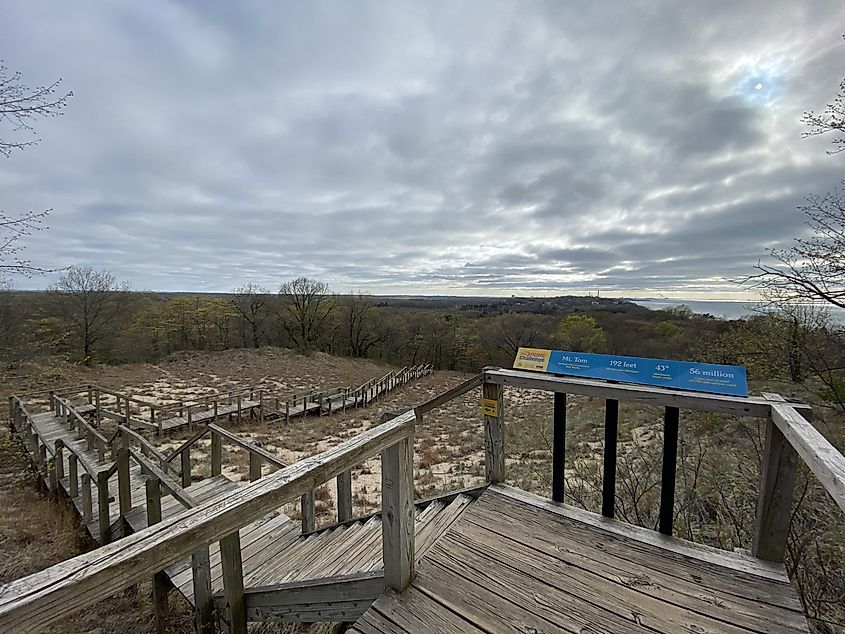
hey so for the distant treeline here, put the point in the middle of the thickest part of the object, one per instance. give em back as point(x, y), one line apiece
point(89, 316)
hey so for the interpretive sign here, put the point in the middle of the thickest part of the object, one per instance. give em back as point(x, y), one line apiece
point(682, 375)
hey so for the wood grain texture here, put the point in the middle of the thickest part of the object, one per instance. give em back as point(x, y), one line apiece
point(815, 450)
point(397, 479)
point(29, 603)
point(494, 435)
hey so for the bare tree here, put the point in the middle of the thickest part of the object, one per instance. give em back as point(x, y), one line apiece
point(813, 269)
point(251, 303)
point(831, 120)
point(20, 106)
point(361, 324)
point(306, 305)
point(89, 302)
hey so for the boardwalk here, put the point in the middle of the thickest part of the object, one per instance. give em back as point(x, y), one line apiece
point(516, 562)
point(491, 559)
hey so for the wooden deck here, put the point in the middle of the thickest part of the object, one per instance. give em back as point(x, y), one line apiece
point(517, 562)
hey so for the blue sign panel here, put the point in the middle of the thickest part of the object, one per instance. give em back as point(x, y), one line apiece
point(701, 377)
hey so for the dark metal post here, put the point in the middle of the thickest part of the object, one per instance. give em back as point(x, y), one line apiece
point(559, 447)
point(608, 490)
point(670, 458)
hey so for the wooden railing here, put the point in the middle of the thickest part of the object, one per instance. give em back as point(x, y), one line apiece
point(28, 604)
point(31, 602)
point(788, 433)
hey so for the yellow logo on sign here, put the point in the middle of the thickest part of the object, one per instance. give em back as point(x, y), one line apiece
point(489, 407)
point(532, 359)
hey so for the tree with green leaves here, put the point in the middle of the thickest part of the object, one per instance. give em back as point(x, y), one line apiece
point(580, 333)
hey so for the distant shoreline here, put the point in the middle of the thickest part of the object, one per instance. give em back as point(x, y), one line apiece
point(723, 309)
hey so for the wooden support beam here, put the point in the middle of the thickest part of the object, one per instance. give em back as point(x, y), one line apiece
point(160, 581)
point(60, 460)
point(397, 481)
point(103, 507)
point(233, 582)
point(216, 453)
point(254, 467)
point(494, 435)
point(203, 599)
point(608, 486)
point(670, 459)
point(87, 505)
point(124, 486)
point(73, 475)
point(344, 496)
point(185, 459)
point(559, 447)
point(307, 511)
point(774, 501)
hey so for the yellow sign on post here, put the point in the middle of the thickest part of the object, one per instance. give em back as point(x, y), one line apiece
point(489, 407)
point(532, 359)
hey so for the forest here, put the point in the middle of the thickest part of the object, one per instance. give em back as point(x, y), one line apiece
point(91, 317)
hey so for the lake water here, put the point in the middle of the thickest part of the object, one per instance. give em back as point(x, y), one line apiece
point(723, 309)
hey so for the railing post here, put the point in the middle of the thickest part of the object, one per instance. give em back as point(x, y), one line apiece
point(254, 467)
point(494, 434)
point(608, 485)
point(307, 511)
point(216, 454)
point(160, 584)
point(559, 447)
point(124, 490)
point(261, 406)
point(344, 496)
point(87, 506)
point(397, 480)
point(203, 599)
point(233, 582)
point(90, 395)
point(239, 408)
point(185, 459)
point(103, 507)
point(59, 464)
point(670, 459)
point(73, 475)
point(774, 502)
point(97, 406)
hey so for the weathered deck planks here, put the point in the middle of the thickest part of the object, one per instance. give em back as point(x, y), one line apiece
point(511, 562)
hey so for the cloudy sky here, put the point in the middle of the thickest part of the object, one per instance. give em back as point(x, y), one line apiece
point(473, 148)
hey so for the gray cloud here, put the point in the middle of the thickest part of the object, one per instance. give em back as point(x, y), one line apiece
point(466, 148)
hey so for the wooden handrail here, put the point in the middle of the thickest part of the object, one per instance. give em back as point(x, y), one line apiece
point(62, 390)
point(456, 391)
point(92, 471)
point(185, 445)
point(81, 421)
point(823, 459)
point(30, 603)
point(178, 492)
point(260, 451)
